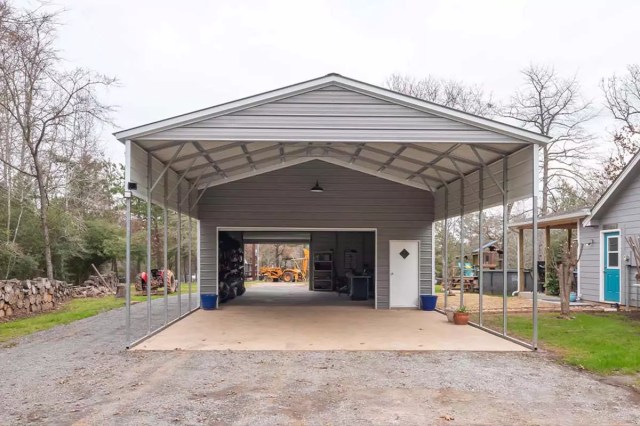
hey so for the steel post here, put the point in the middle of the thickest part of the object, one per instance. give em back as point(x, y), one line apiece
point(148, 283)
point(445, 249)
point(505, 244)
point(165, 238)
point(480, 243)
point(179, 254)
point(534, 242)
point(461, 241)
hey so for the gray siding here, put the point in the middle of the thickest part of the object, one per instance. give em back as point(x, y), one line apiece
point(351, 200)
point(623, 211)
point(331, 114)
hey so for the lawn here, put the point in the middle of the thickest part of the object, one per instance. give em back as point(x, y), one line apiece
point(607, 343)
point(73, 310)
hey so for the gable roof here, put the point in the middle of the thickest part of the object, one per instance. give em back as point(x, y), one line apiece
point(631, 171)
point(322, 82)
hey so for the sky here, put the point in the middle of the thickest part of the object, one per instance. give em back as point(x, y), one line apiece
point(172, 57)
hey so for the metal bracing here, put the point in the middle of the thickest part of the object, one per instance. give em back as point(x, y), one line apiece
point(149, 193)
point(180, 179)
point(489, 172)
point(243, 155)
point(505, 245)
point(392, 158)
point(480, 243)
point(211, 161)
point(283, 157)
point(167, 166)
point(247, 155)
point(357, 153)
point(210, 151)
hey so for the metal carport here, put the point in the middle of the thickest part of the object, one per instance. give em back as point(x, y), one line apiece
point(463, 163)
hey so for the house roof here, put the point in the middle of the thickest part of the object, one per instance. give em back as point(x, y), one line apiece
point(562, 220)
point(331, 79)
point(630, 171)
point(344, 122)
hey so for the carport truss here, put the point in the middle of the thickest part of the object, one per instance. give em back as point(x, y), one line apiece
point(469, 163)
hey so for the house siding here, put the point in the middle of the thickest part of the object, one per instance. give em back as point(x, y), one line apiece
point(281, 199)
point(621, 212)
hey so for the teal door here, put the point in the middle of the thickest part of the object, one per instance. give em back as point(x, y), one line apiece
point(612, 266)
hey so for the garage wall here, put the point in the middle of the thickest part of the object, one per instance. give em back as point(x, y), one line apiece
point(350, 200)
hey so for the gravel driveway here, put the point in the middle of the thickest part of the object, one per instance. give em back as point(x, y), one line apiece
point(80, 374)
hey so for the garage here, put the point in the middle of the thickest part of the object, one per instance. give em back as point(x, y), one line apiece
point(356, 171)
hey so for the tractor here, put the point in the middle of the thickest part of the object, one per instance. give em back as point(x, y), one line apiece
point(292, 271)
point(157, 280)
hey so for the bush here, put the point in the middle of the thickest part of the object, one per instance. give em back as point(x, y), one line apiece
point(552, 286)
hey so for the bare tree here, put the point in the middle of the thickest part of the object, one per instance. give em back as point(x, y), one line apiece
point(450, 93)
point(42, 99)
point(553, 106)
point(622, 96)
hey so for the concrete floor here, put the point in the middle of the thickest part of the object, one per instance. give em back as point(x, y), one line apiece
point(277, 317)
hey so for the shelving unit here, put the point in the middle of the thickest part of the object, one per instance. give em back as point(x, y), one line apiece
point(323, 271)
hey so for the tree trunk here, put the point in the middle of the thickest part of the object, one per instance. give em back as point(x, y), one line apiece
point(44, 220)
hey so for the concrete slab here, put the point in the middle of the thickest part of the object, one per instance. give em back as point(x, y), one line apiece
point(342, 325)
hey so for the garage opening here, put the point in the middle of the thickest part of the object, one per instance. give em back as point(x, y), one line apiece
point(296, 268)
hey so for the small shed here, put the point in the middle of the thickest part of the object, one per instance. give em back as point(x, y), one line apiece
point(607, 267)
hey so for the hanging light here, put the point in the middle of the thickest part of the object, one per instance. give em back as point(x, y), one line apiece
point(317, 188)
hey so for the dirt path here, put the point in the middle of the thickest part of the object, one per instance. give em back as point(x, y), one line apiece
point(79, 374)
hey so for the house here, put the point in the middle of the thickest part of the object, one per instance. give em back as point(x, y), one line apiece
point(607, 267)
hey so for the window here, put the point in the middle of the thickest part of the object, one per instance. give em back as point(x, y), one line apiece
point(613, 251)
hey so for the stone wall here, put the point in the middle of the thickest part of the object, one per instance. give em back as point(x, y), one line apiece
point(37, 295)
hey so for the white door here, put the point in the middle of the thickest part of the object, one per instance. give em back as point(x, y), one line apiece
point(404, 270)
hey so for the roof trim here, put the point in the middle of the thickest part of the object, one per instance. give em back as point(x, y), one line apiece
point(347, 83)
point(613, 188)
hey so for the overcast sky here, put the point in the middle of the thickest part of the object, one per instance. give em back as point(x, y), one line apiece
point(173, 57)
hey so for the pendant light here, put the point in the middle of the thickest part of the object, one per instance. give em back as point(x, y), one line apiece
point(317, 188)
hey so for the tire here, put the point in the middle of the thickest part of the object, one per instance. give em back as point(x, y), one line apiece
point(287, 277)
point(241, 290)
point(172, 285)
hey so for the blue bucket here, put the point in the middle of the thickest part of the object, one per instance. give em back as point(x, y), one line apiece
point(428, 302)
point(208, 301)
point(572, 296)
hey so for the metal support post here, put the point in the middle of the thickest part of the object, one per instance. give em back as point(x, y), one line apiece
point(190, 250)
point(461, 241)
point(127, 269)
point(534, 243)
point(445, 249)
point(505, 244)
point(165, 238)
point(480, 243)
point(148, 281)
point(179, 254)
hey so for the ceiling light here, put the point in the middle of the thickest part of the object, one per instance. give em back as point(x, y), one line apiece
point(317, 188)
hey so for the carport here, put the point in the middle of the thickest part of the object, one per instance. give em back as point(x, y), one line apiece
point(326, 155)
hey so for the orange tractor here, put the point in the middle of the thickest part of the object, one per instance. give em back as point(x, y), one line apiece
point(292, 271)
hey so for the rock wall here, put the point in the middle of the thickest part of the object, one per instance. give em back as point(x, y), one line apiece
point(37, 295)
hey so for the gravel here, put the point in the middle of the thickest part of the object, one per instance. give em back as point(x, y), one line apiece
point(80, 374)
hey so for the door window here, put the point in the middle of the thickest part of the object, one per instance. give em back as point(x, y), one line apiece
point(613, 251)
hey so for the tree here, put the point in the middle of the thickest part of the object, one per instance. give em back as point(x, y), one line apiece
point(43, 101)
point(450, 93)
point(622, 96)
point(553, 106)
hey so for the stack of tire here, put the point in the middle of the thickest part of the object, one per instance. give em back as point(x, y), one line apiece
point(231, 264)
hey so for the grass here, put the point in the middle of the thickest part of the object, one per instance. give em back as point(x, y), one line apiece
point(184, 288)
point(602, 343)
point(73, 310)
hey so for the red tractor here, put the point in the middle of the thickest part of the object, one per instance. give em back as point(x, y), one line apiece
point(157, 280)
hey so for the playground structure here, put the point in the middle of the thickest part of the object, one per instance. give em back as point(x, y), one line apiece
point(466, 273)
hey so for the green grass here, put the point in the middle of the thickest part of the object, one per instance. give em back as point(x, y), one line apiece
point(603, 343)
point(73, 310)
point(184, 288)
point(438, 288)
